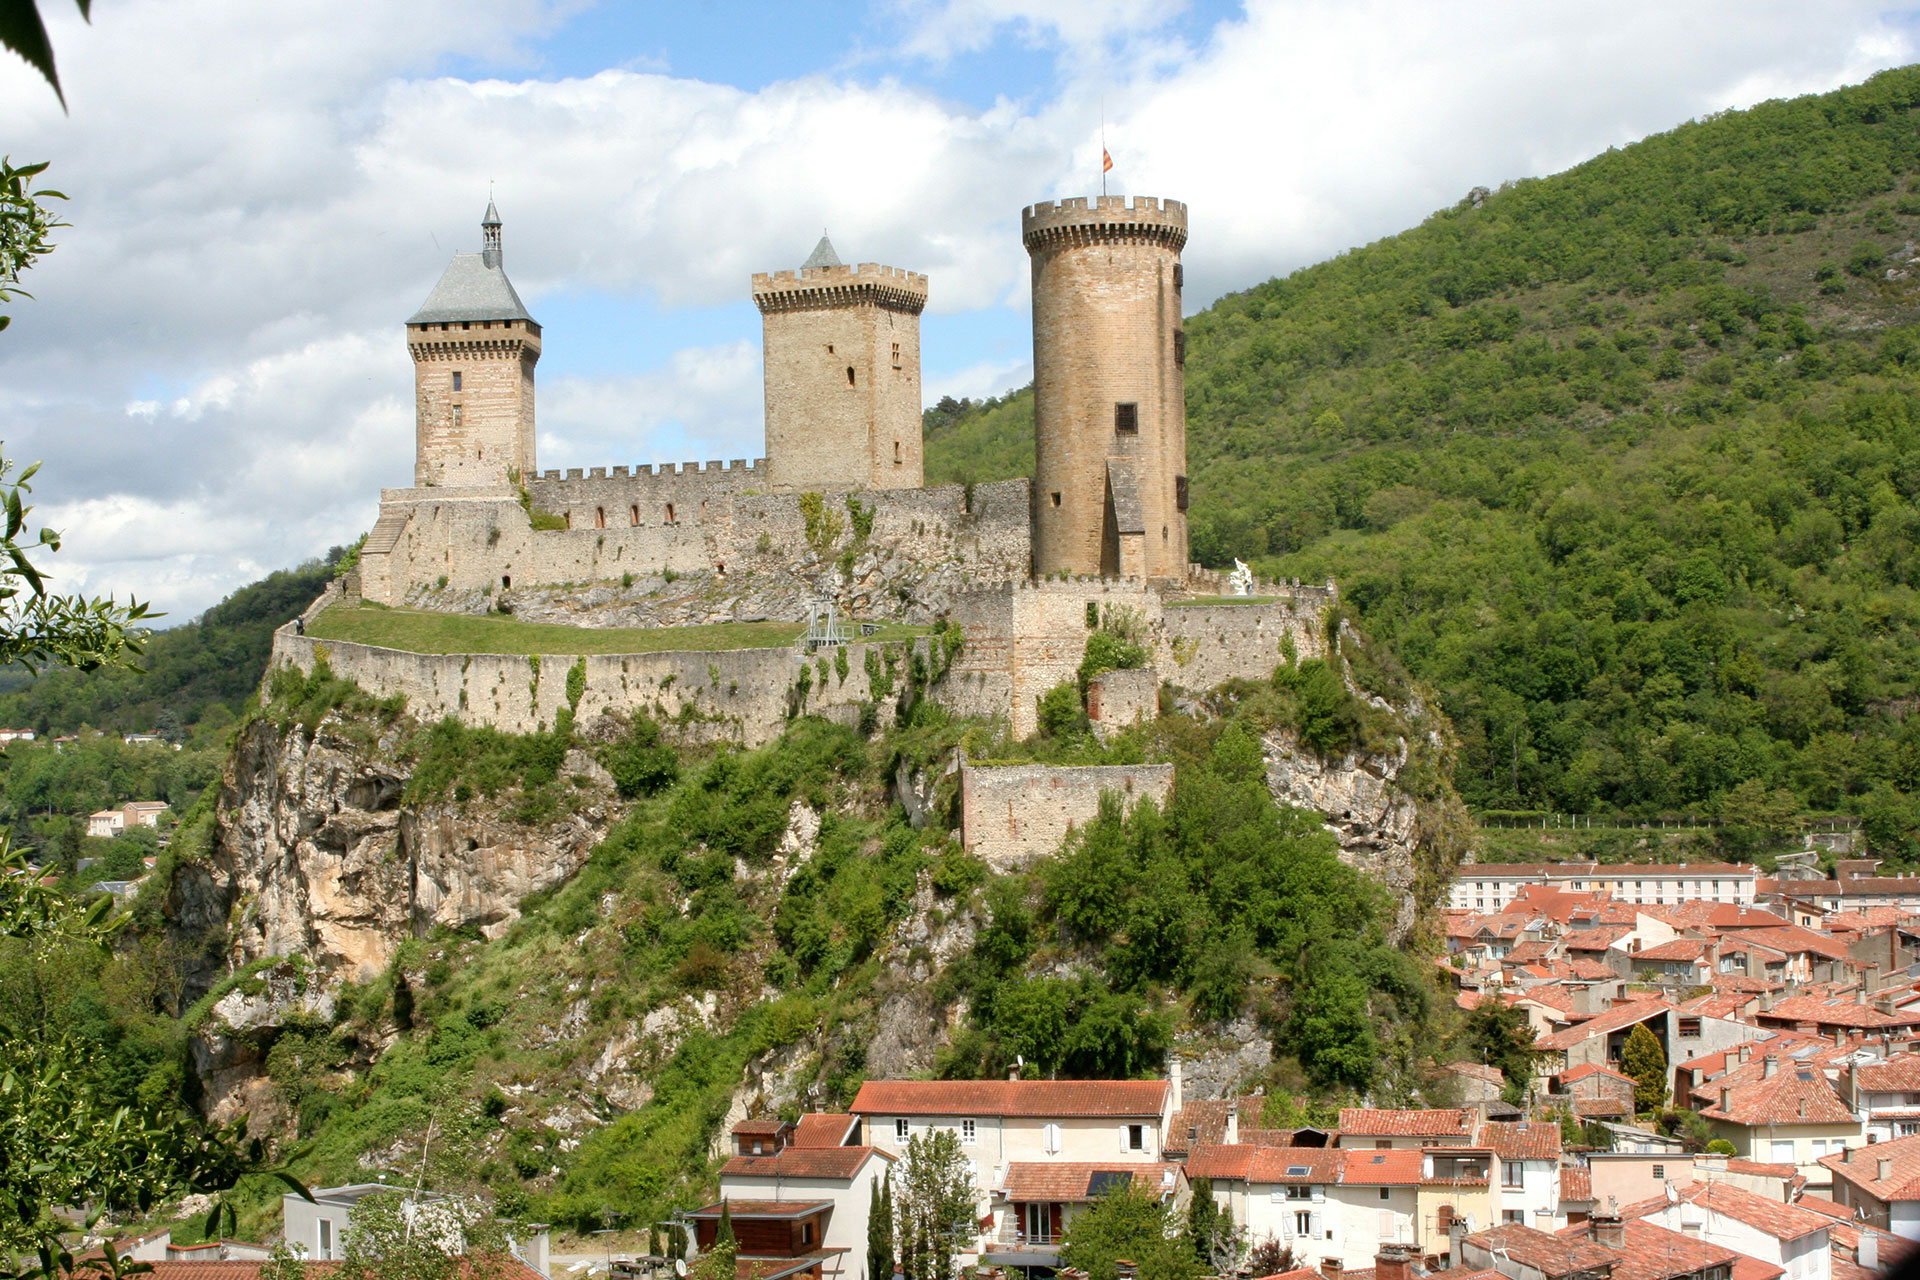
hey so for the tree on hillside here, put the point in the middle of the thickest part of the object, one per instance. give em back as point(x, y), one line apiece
point(880, 1230)
point(934, 1218)
point(1643, 1059)
point(1499, 1035)
point(1130, 1223)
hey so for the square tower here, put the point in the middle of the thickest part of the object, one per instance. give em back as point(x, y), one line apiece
point(1109, 387)
point(842, 374)
point(474, 347)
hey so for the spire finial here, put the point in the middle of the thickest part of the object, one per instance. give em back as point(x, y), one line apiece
point(823, 254)
point(490, 233)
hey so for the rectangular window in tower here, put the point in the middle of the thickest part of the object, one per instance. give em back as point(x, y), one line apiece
point(1180, 346)
point(1179, 276)
point(1056, 497)
point(456, 379)
point(1180, 492)
point(896, 453)
point(896, 355)
point(1126, 419)
point(456, 416)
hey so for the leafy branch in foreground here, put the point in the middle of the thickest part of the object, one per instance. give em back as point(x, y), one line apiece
point(25, 224)
point(37, 627)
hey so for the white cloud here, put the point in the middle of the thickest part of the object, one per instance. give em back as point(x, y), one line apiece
point(215, 370)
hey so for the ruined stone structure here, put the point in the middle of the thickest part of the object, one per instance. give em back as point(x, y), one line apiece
point(1109, 388)
point(474, 347)
point(842, 351)
point(1013, 814)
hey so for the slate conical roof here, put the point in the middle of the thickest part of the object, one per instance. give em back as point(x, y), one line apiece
point(493, 215)
point(823, 255)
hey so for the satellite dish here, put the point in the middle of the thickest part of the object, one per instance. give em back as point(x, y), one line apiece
point(680, 1266)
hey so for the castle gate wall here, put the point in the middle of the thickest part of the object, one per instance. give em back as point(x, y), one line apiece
point(741, 695)
point(1013, 814)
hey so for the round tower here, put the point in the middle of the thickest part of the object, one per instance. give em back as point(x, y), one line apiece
point(1109, 387)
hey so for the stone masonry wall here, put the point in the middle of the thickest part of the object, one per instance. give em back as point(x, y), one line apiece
point(1013, 814)
point(475, 435)
point(479, 539)
point(740, 695)
point(1024, 641)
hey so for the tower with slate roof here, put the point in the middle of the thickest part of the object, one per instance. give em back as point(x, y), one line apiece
point(842, 349)
point(474, 347)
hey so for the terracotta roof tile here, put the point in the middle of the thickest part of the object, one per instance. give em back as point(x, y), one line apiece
point(1612, 1020)
point(1011, 1098)
point(1380, 1168)
point(1221, 1162)
point(1573, 1075)
point(738, 1208)
point(1382, 1122)
point(766, 1125)
point(1831, 1012)
point(1521, 1140)
point(1901, 1156)
point(1576, 1183)
point(1654, 1253)
point(1898, 1074)
point(1794, 1094)
point(1781, 1221)
point(830, 1163)
point(1078, 1182)
point(1602, 1108)
point(822, 1129)
point(1300, 1165)
point(1202, 1122)
point(1548, 1254)
point(1678, 949)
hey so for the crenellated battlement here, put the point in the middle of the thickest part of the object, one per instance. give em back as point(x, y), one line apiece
point(1082, 218)
point(870, 283)
point(657, 470)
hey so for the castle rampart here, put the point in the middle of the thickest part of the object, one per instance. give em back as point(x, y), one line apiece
point(1014, 814)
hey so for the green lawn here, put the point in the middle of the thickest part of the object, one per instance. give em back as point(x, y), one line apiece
point(422, 631)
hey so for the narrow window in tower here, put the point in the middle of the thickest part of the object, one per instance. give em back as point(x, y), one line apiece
point(633, 514)
point(456, 416)
point(1179, 276)
point(669, 513)
point(506, 582)
point(456, 379)
point(1126, 419)
point(1180, 492)
point(466, 324)
point(1056, 497)
point(896, 453)
point(829, 348)
point(569, 515)
point(1179, 346)
point(896, 355)
point(849, 375)
point(599, 517)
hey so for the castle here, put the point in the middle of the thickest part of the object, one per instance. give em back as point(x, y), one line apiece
point(1023, 568)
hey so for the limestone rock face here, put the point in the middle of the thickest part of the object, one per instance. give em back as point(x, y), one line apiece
point(1356, 796)
point(323, 861)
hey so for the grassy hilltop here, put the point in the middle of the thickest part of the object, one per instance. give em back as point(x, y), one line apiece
point(1623, 461)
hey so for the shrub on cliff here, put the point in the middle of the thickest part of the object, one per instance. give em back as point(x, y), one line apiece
point(639, 762)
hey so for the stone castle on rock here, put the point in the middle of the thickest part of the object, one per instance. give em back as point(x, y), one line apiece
point(838, 510)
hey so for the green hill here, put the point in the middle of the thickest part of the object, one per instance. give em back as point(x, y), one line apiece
point(1622, 461)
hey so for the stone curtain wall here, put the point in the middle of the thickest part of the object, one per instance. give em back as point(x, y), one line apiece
point(479, 538)
point(1013, 814)
point(1023, 641)
point(739, 695)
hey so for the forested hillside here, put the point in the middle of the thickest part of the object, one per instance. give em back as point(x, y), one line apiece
point(1623, 462)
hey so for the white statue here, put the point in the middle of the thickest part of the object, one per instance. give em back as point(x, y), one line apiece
point(1240, 581)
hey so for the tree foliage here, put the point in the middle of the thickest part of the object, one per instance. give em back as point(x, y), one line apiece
point(934, 1215)
point(1134, 1224)
point(1643, 1059)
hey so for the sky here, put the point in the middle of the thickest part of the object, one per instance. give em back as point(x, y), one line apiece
point(213, 367)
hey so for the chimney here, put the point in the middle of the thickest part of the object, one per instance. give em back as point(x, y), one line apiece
point(1608, 1230)
point(1173, 1079)
point(1846, 1155)
point(1802, 1108)
point(1331, 1268)
point(1867, 1252)
point(1726, 1098)
point(1393, 1262)
point(1768, 1066)
point(1456, 1241)
point(1885, 1170)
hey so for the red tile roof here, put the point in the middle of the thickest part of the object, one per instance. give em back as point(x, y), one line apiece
point(1551, 1255)
point(1897, 1074)
point(1831, 1012)
point(1078, 1182)
point(1380, 1168)
point(822, 1129)
point(1761, 1168)
point(827, 1163)
point(1036, 1098)
point(1221, 1162)
point(762, 1208)
point(1654, 1253)
point(1614, 1019)
point(1576, 1183)
point(1902, 1181)
point(1573, 1075)
point(1598, 938)
point(1493, 1075)
point(1202, 1122)
point(1602, 1108)
point(1521, 1140)
point(1678, 949)
point(1794, 1094)
point(1301, 1165)
point(1385, 1123)
point(1781, 1221)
